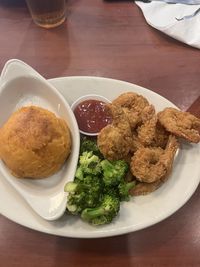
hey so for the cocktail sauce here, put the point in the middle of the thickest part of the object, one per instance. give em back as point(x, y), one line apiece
point(92, 115)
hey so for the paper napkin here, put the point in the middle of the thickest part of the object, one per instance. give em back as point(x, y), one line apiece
point(162, 16)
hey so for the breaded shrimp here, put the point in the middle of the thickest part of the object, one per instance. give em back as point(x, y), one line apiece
point(131, 101)
point(114, 140)
point(181, 124)
point(152, 164)
point(161, 136)
point(147, 132)
point(133, 105)
point(152, 133)
point(141, 189)
point(135, 143)
point(148, 113)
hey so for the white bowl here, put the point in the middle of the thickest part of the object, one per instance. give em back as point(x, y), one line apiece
point(88, 97)
point(20, 85)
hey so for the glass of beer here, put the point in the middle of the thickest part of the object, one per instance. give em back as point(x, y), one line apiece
point(47, 13)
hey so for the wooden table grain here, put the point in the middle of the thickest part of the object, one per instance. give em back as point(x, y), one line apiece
point(109, 39)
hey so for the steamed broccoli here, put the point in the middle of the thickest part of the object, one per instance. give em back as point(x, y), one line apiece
point(72, 187)
point(89, 163)
point(90, 145)
point(104, 213)
point(79, 173)
point(98, 186)
point(113, 171)
point(124, 188)
point(84, 194)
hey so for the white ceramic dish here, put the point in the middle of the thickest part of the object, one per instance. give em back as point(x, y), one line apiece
point(21, 86)
point(88, 97)
point(137, 214)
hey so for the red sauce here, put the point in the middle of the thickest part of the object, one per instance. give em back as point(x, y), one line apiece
point(92, 115)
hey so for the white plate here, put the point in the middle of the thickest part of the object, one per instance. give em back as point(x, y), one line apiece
point(137, 214)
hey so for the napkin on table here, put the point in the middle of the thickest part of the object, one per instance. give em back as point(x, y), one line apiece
point(162, 16)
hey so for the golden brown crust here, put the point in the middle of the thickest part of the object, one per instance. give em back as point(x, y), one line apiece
point(34, 143)
point(133, 105)
point(181, 124)
point(114, 140)
point(152, 164)
point(132, 101)
point(142, 189)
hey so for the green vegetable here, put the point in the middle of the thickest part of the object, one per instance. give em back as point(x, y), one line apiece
point(90, 145)
point(124, 190)
point(72, 187)
point(84, 194)
point(98, 187)
point(104, 213)
point(89, 164)
point(113, 171)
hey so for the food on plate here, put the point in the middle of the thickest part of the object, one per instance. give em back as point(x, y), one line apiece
point(104, 213)
point(146, 133)
point(152, 164)
point(92, 115)
point(99, 186)
point(161, 136)
point(133, 105)
point(152, 133)
point(131, 156)
point(145, 188)
point(147, 113)
point(114, 140)
point(34, 143)
point(181, 124)
point(153, 143)
point(135, 143)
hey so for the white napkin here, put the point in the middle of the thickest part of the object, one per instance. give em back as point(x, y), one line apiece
point(163, 16)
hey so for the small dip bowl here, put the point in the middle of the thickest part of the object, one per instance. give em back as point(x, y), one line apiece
point(91, 113)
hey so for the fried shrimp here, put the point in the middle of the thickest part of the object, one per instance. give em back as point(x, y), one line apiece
point(114, 140)
point(133, 105)
point(147, 132)
point(152, 133)
point(152, 164)
point(135, 143)
point(148, 113)
point(181, 124)
point(161, 136)
point(141, 189)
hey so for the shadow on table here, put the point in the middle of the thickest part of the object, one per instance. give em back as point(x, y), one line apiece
point(12, 3)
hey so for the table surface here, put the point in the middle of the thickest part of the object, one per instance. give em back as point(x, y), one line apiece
point(109, 39)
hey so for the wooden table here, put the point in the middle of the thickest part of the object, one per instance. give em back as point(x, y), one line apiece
point(110, 39)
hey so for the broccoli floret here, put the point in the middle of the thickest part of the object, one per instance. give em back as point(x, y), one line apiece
point(124, 190)
point(113, 171)
point(75, 203)
point(90, 145)
point(89, 164)
point(72, 187)
point(79, 173)
point(111, 191)
point(104, 213)
point(98, 187)
point(83, 194)
point(122, 167)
